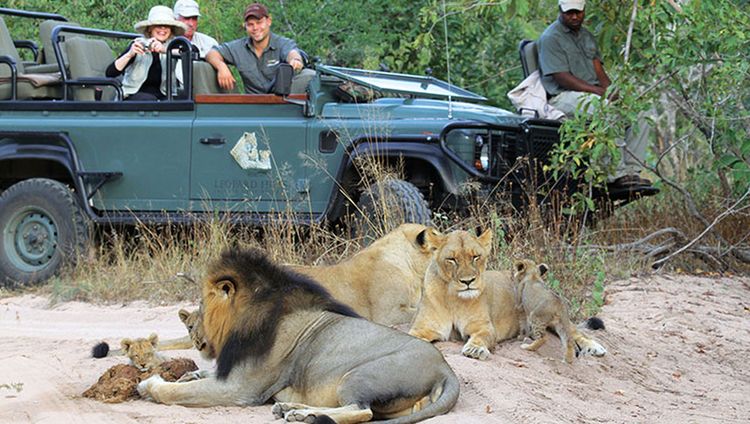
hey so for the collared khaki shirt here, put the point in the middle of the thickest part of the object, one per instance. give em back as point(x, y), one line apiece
point(562, 50)
point(257, 73)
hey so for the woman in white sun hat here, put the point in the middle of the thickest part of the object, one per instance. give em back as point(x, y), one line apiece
point(144, 64)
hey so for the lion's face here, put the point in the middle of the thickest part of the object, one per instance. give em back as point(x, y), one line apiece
point(141, 352)
point(194, 323)
point(461, 258)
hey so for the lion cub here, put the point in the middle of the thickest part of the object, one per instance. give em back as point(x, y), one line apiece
point(142, 352)
point(542, 308)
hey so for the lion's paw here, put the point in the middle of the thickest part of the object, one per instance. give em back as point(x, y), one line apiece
point(475, 351)
point(301, 416)
point(192, 376)
point(279, 409)
point(146, 386)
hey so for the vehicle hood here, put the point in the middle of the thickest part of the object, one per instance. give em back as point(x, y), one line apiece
point(420, 109)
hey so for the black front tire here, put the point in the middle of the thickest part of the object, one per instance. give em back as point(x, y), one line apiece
point(387, 204)
point(42, 229)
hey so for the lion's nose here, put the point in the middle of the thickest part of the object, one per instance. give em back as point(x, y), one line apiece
point(467, 281)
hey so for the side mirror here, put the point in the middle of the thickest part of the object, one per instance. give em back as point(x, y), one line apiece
point(283, 84)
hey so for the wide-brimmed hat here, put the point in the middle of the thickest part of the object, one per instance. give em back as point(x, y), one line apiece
point(161, 15)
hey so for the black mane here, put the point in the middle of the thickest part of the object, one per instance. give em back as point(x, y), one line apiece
point(275, 292)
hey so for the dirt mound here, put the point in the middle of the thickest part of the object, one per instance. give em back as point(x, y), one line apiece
point(119, 383)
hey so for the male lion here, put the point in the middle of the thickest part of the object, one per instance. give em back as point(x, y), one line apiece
point(463, 301)
point(279, 335)
point(383, 281)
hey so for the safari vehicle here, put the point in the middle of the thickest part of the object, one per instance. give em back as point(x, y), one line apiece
point(74, 155)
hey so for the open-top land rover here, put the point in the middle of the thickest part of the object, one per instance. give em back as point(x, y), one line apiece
point(73, 154)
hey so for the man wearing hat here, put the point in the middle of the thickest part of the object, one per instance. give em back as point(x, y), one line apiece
point(257, 57)
point(573, 74)
point(187, 12)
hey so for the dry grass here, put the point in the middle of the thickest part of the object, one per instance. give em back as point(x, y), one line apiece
point(151, 263)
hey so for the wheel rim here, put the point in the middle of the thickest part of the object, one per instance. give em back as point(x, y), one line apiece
point(30, 239)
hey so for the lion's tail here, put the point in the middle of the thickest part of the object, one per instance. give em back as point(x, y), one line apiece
point(585, 345)
point(101, 350)
point(447, 396)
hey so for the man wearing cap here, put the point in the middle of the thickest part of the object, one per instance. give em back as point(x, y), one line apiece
point(258, 56)
point(573, 74)
point(187, 12)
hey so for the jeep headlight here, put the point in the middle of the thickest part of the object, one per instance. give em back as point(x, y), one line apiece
point(483, 163)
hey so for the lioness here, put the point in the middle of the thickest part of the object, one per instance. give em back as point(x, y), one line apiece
point(383, 281)
point(279, 335)
point(461, 297)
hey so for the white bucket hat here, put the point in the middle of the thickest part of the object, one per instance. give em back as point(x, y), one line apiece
point(161, 15)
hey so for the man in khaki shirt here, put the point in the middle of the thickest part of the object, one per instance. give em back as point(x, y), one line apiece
point(573, 75)
point(258, 56)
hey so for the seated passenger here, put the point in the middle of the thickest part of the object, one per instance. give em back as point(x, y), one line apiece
point(258, 56)
point(144, 63)
point(573, 75)
point(187, 12)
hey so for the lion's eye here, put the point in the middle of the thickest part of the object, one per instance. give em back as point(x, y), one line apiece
point(476, 258)
point(451, 261)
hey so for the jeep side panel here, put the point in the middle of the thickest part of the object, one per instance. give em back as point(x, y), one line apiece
point(274, 177)
point(151, 148)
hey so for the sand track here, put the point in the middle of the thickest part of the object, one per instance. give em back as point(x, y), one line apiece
point(678, 348)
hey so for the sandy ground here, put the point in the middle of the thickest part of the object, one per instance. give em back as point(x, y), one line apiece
point(678, 348)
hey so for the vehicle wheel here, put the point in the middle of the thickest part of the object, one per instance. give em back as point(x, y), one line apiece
point(42, 228)
point(387, 204)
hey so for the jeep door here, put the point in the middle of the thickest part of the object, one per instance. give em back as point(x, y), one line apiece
point(248, 155)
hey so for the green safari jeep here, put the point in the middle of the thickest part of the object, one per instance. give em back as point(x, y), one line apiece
point(74, 155)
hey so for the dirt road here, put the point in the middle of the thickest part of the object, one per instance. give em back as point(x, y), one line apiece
point(678, 351)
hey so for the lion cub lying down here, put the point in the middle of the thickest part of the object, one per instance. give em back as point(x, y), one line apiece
point(279, 335)
point(542, 309)
point(100, 350)
point(464, 301)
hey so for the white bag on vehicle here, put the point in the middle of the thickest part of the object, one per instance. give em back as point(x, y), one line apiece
point(529, 96)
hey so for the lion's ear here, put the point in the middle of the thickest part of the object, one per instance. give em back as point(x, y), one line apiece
point(154, 339)
point(422, 238)
point(485, 239)
point(519, 266)
point(543, 268)
point(125, 344)
point(433, 239)
point(225, 286)
point(184, 315)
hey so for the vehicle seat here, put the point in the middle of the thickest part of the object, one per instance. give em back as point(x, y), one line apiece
point(45, 34)
point(36, 81)
point(204, 79)
point(89, 58)
point(529, 56)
